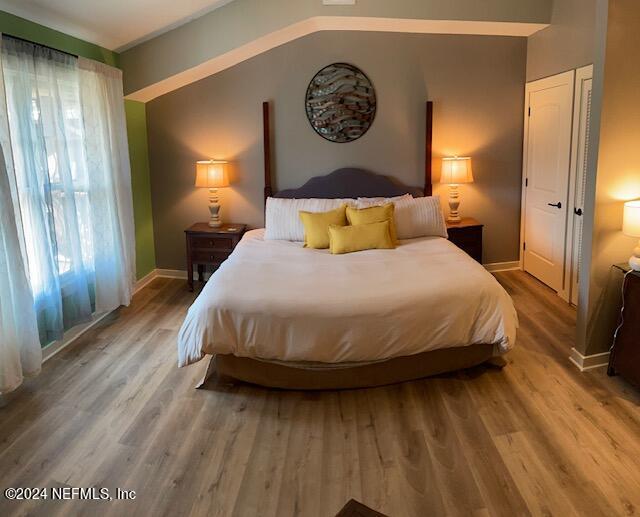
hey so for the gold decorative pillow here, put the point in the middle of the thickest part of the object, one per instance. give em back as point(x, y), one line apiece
point(373, 214)
point(316, 226)
point(346, 239)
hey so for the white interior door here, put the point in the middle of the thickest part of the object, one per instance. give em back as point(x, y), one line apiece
point(579, 154)
point(547, 154)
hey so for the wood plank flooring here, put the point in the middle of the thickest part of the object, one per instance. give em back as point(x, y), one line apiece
point(113, 410)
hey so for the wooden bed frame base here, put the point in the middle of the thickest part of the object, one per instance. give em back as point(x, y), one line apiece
point(392, 371)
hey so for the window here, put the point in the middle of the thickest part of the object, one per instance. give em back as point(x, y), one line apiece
point(76, 218)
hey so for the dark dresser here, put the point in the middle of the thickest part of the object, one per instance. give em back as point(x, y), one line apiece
point(625, 353)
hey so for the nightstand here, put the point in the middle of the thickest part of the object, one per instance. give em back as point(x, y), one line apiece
point(467, 235)
point(207, 246)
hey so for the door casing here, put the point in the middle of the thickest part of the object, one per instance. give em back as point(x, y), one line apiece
point(577, 171)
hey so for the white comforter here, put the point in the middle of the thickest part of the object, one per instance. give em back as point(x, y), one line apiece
point(276, 300)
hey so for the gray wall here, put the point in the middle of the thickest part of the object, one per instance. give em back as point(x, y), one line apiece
point(475, 82)
point(567, 43)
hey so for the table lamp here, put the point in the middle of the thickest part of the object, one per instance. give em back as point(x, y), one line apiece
point(631, 227)
point(213, 175)
point(455, 170)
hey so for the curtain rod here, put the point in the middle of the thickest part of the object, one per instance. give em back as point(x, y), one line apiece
point(4, 34)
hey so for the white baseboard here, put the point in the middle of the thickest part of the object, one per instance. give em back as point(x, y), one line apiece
point(502, 266)
point(145, 281)
point(171, 273)
point(588, 362)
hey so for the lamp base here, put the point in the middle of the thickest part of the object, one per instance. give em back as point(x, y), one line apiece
point(454, 203)
point(214, 209)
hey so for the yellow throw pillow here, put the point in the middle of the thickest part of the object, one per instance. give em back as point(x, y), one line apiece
point(373, 214)
point(345, 239)
point(316, 226)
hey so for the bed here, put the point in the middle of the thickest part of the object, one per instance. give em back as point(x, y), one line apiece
point(281, 315)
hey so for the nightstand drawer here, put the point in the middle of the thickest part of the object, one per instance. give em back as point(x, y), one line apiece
point(210, 257)
point(211, 243)
point(467, 237)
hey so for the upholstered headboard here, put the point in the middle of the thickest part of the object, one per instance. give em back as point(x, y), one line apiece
point(348, 182)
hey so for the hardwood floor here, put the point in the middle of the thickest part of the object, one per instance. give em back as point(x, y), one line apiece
point(113, 410)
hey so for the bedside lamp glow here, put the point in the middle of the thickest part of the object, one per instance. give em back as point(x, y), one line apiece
point(212, 174)
point(455, 170)
point(631, 227)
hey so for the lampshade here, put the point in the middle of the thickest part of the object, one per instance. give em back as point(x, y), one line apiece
point(211, 174)
point(456, 170)
point(631, 219)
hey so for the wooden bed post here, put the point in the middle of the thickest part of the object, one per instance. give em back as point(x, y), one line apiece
point(428, 149)
point(266, 131)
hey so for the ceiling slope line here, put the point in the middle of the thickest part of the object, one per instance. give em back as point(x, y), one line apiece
point(329, 23)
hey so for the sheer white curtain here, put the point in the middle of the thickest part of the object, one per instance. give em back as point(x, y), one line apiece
point(20, 352)
point(110, 193)
point(46, 138)
point(65, 136)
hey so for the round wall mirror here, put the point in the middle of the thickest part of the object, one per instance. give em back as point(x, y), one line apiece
point(340, 103)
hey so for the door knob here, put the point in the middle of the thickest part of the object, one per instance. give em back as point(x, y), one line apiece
point(577, 211)
point(557, 205)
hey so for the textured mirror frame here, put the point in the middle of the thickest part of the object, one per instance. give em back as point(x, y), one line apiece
point(340, 103)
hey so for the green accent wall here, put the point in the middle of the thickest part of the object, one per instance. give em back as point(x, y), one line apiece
point(136, 128)
point(141, 186)
point(21, 28)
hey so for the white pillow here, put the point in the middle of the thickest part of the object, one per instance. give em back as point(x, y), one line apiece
point(414, 217)
point(282, 219)
point(365, 202)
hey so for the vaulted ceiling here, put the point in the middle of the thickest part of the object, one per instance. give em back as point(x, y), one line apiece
point(112, 24)
point(166, 44)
